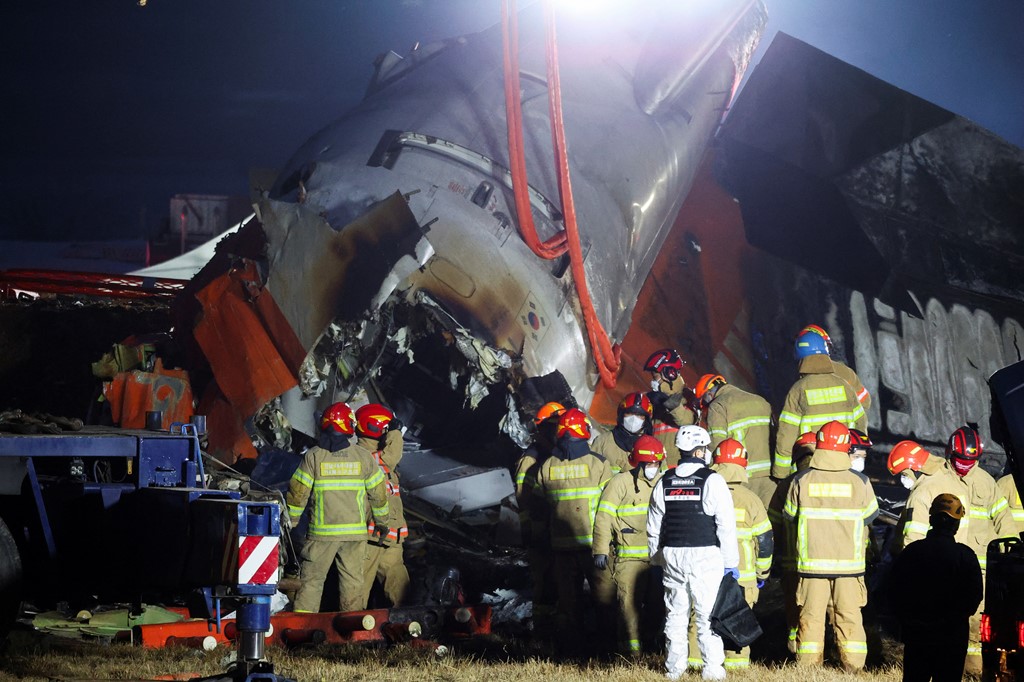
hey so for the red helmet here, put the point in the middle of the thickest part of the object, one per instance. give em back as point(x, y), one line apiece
point(547, 411)
point(859, 440)
point(372, 420)
point(833, 436)
point(731, 451)
point(637, 403)
point(906, 455)
point(646, 450)
point(708, 382)
point(339, 419)
point(665, 362)
point(574, 423)
point(804, 445)
point(965, 443)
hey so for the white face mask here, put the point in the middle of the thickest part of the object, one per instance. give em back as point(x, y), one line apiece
point(651, 470)
point(907, 479)
point(857, 464)
point(633, 423)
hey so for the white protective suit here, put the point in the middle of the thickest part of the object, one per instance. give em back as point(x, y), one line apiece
point(692, 575)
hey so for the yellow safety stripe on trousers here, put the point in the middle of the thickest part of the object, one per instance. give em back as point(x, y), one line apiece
point(633, 645)
point(735, 662)
point(303, 478)
point(695, 662)
point(851, 647)
point(792, 634)
point(809, 648)
point(973, 649)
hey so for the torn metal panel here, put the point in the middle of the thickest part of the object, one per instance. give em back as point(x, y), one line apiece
point(319, 274)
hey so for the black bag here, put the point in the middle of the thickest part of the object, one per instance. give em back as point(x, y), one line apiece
point(731, 618)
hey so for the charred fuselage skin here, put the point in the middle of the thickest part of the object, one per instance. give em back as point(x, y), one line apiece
point(643, 90)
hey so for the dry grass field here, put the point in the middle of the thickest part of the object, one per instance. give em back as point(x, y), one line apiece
point(29, 657)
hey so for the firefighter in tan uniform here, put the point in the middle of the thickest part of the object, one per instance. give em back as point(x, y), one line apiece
point(673, 407)
point(380, 433)
point(634, 420)
point(1008, 489)
point(926, 476)
point(341, 478)
point(817, 397)
point(832, 507)
point(842, 371)
point(621, 525)
point(785, 537)
point(988, 514)
point(742, 416)
point(533, 516)
point(754, 538)
point(572, 480)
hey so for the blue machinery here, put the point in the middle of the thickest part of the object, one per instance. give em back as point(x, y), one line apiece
point(125, 513)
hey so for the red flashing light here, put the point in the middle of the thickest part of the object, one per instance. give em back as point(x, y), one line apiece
point(1020, 634)
point(985, 629)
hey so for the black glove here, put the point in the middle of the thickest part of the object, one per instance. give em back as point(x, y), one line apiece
point(601, 562)
point(395, 425)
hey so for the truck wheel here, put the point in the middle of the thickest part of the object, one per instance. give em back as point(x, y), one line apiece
point(10, 579)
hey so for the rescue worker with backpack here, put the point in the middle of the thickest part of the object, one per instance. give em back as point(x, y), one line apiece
point(745, 417)
point(633, 421)
point(621, 524)
point(380, 433)
point(339, 477)
point(691, 532)
point(673, 403)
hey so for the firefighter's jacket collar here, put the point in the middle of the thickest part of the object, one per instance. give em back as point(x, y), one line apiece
point(570, 448)
point(732, 473)
point(816, 364)
point(934, 465)
point(830, 460)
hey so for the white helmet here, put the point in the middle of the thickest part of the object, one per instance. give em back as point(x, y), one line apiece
point(689, 438)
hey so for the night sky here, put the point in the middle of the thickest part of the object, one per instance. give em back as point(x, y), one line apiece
point(111, 108)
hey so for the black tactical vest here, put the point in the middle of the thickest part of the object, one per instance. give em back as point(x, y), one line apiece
point(685, 524)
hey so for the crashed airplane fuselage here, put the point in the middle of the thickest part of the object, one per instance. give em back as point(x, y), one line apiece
point(392, 240)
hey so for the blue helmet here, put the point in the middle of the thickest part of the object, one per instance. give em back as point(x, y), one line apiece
point(810, 343)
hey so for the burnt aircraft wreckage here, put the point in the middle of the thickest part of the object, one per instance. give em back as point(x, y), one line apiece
point(387, 259)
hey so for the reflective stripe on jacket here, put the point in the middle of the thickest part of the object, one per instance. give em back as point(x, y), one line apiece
point(573, 490)
point(989, 513)
point(850, 377)
point(934, 478)
point(339, 484)
point(832, 506)
point(622, 516)
point(817, 397)
point(388, 459)
point(754, 536)
point(747, 417)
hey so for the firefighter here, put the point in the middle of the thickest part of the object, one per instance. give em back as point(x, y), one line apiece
point(533, 515)
point(572, 480)
point(381, 434)
point(817, 397)
point(622, 521)
point(785, 537)
point(753, 535)
point(1008, 489)
point(691, 532)
point(842, 370)
point(633, 421)
point(832, 507)
point(672, 400)
point(946, 572)
point(860, 445)
point(926, 476)
point(988, 516)
point(746, 417)
point(339, 476)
